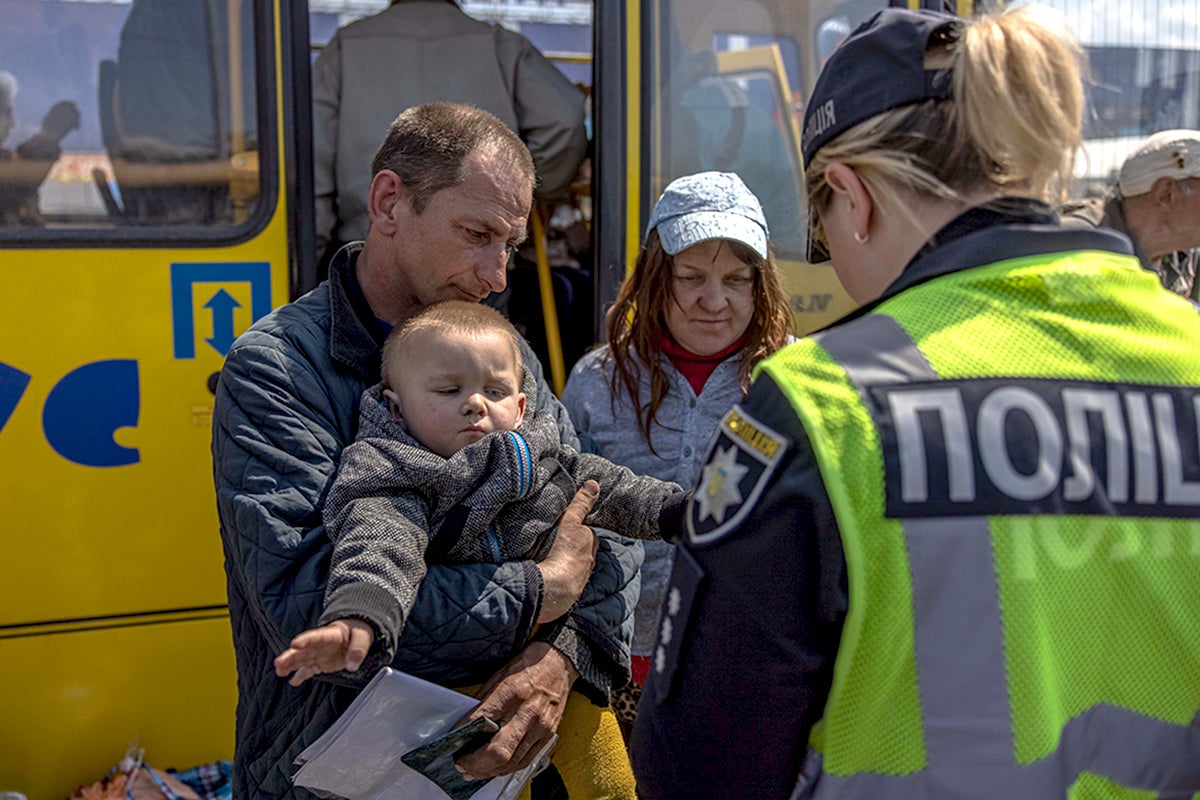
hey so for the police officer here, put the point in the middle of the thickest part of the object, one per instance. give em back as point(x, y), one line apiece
point(948, 548)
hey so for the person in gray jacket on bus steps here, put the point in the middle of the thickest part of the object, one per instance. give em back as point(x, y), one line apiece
point(424, 51)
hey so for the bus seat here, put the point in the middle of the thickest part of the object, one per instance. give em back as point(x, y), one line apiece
point(151, 195)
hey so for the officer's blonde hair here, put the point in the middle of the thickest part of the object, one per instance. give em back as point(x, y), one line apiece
point(1013, 124)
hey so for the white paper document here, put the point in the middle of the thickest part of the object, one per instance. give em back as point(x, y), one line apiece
point(358, 758)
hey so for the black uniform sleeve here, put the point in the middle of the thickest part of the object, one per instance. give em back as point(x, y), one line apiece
point(750, 624)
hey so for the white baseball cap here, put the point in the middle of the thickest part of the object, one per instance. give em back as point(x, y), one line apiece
point(1167, 154)
point(708, 205)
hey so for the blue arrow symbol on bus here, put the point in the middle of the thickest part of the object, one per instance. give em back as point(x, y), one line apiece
point(222, 305)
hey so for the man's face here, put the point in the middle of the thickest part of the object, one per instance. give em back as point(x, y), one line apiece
point(458, 247)
point(456, 388)
point(1184, 218)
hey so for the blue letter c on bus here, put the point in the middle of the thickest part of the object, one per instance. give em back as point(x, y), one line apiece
point(87, 407)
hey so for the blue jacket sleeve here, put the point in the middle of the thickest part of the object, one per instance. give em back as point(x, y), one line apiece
point(595, 635)
point(469, 621)
point(750, 626)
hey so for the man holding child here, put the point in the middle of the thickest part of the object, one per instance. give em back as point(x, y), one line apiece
point(449, 202)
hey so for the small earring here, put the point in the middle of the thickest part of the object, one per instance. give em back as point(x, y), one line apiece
point(861, 238)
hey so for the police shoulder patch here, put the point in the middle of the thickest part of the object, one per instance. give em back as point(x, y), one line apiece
point(742, 456)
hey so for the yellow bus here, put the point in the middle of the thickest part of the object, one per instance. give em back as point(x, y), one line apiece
point(175, 214)
point(176, 211)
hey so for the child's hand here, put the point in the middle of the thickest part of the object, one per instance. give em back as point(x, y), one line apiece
point(340, 645)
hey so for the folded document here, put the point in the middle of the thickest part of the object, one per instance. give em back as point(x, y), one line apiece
point(359, 757)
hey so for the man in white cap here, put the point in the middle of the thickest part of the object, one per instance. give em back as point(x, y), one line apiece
point(1157, 205)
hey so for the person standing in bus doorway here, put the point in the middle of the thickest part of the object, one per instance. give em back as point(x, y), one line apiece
point(450, 200)
point(946, 547)
point(424, 51)
point(1156, 203)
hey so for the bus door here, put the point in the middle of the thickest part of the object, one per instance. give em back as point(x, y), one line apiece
point(148, 188)
point(683, 87)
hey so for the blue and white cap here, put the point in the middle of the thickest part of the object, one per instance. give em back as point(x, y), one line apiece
point(708, 205)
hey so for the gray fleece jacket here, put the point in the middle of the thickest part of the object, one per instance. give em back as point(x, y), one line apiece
point(395, 506)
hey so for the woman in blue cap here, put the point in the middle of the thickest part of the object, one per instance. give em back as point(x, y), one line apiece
point(947, 547)
point(701, 308)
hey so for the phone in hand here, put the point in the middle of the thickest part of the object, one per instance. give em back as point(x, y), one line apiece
point(435, 759)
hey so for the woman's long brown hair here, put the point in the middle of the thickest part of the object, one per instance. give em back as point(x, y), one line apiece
point(637, 323)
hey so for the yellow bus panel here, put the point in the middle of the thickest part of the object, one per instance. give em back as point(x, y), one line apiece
point(74, 700)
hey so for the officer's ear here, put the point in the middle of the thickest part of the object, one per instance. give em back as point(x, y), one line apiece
point(844, 181)
point(387, 198)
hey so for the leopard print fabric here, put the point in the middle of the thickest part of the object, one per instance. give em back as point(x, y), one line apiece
point(624, 704)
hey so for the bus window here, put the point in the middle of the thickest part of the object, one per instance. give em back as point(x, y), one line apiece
point(712, 119)
point(788, 68)
point(1144, 78)
point(763, 110)
point(164, 138)
point(1136, 91)
point(733, 78)
point(723, 88)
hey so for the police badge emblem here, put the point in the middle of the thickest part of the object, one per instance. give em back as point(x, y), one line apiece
point(741, 458)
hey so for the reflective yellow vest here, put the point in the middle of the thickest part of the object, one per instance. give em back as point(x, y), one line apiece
point(1013, 457)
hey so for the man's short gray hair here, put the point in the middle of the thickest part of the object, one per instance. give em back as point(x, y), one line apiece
point(427, 145)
